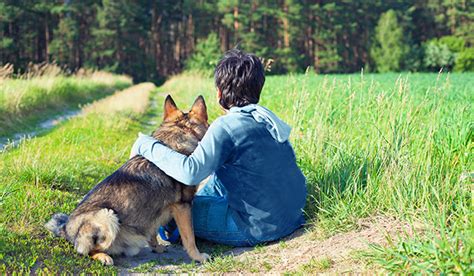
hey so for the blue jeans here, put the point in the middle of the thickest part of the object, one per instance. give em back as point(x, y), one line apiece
point(212, 219)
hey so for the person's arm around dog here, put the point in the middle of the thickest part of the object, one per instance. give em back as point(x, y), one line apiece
point(209, 155)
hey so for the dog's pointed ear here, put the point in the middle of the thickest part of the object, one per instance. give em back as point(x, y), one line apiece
point(199, 109)
point(170, 108)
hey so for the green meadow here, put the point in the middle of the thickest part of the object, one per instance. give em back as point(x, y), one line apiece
point(380, 144)
point(390, 145)
point(26, 101)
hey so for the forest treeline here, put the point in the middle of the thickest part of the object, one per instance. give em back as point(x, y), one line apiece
point(150, 40)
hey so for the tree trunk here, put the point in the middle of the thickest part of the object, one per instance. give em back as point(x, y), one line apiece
point(177, 45)
point(316, 58)
point(46, 39)
point(309, 41)
point(286, 27)
point(236, 23)
point(224, 38)
point(189, 35)
point(252, 22)
point(155, 37)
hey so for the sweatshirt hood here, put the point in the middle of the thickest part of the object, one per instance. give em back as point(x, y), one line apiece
point(279, 130)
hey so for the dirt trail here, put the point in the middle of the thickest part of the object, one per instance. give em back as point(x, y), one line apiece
point(301, 248)
point(134, 99)
point(289, 255)
point(41, 127)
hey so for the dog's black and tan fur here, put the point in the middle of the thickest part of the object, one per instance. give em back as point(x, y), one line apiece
point(122, 213)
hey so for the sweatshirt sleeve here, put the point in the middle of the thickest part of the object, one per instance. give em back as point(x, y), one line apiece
point(209, 155)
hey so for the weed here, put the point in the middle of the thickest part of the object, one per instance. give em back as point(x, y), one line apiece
point(318, 265)
point(225, 264)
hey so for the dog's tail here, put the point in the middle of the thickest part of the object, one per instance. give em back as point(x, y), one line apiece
point(57, 224)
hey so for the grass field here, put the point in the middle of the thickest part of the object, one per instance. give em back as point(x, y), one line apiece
point(23, 102)
point(370, 145)
point(389, 144)
point(47, 174)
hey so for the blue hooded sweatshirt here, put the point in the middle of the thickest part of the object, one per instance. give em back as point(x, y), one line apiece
point(248, 151)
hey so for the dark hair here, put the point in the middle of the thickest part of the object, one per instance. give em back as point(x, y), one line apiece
point(240, 78)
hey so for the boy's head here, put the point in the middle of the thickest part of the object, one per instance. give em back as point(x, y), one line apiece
point(239, 79)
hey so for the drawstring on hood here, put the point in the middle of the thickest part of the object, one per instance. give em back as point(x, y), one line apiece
point(279, 130)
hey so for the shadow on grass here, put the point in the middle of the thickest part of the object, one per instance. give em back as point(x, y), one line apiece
point(176, 260)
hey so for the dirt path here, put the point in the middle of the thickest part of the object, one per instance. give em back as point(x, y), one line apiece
point(41, 127)
point(134, 98)
point(300, 252)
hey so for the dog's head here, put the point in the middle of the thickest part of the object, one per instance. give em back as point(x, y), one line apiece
point(182, 131)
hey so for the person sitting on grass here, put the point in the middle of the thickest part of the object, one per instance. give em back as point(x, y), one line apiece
point(256, 192)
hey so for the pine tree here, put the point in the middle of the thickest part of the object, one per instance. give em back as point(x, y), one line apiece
point(118, 43)
point(151, 40)
point(326, 54)
point(206, 55)
point(389, 48)
point(73, 32)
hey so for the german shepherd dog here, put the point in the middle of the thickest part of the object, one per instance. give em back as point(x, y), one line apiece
point(122, 213)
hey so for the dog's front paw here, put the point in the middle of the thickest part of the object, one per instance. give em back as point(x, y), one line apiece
point(159, 248)
point(103, 258)
point(202, 257)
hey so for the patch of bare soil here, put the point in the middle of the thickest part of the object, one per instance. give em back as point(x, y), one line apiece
point(300, 252)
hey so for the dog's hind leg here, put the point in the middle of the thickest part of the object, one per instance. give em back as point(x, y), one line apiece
point(182, 215)
point(93, 233)
point(155, 246)
point(101, 257)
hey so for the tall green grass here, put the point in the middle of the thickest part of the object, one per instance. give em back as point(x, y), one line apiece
point(387, 144)
point(26, 101)
point(51, 174)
